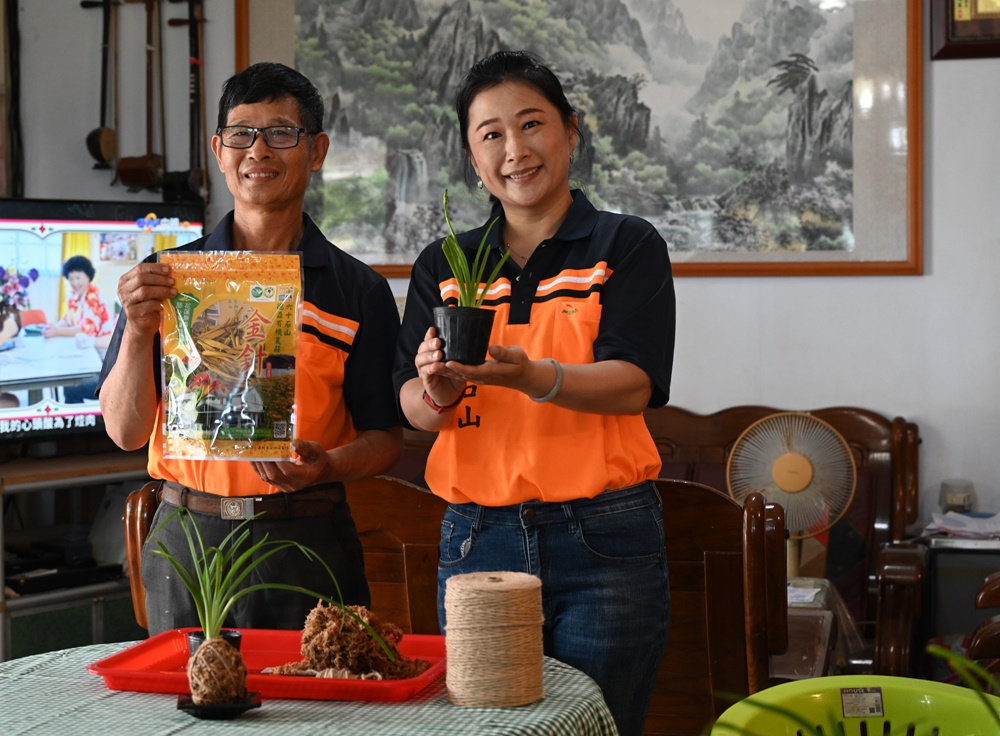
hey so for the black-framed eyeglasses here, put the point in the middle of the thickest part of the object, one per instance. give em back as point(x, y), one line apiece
point(275, 136)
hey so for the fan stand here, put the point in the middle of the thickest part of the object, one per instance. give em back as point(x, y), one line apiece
point(792, 473)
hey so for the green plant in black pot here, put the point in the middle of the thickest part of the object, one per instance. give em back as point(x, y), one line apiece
point(216, 671)
point(465, 329)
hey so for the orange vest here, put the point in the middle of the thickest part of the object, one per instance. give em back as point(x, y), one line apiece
point(503, 448)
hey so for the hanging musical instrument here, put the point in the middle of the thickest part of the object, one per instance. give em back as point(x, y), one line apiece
point(101, 141)
point(192, 185)
point(138, 172)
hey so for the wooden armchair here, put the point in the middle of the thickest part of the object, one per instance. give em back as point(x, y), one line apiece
point(413, 461)
point(140, 505)
point(400, 528)
point(985, 641)
point(878, 576)
point(728, 611)
point(988, 595)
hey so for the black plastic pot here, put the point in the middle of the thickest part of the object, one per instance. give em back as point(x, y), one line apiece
point(196, 638)
point(465, 332)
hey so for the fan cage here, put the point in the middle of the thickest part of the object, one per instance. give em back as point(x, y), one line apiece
point(825, 499)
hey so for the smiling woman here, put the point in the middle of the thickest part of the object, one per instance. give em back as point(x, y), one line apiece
point(86, 310)
point(521, 148)
point(582, 341)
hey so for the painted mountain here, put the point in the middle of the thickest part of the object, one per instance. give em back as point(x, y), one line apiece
point(727, 124)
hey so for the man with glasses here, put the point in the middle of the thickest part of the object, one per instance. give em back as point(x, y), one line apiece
point(268, 143)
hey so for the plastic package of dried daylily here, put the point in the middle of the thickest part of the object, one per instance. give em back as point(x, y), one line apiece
point(229, 343)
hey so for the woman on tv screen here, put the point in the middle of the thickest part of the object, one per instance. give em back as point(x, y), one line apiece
point(86, 311)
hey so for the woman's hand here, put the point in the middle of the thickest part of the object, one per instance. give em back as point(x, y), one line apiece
point(605, 387)
point(57, 330)
point(440, 381)
point(434, 380)
point(509, 367)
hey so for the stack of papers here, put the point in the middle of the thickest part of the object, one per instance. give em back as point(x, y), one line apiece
point(977, 526)
point(801, 595)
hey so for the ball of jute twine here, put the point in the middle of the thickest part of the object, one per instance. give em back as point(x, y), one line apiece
point(493, 639)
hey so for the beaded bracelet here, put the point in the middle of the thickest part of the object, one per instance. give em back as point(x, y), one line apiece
point(555, 388)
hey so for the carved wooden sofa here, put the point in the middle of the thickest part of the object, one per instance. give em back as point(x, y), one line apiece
point(878, 575)
point(400, 529)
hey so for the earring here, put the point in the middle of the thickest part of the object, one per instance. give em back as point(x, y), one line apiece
point(480, 184)
point(572, 158)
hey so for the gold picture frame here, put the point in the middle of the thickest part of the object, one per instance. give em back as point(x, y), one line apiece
point(887, 139)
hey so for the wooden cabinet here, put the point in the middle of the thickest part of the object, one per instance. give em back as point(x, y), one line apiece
point(54, 473)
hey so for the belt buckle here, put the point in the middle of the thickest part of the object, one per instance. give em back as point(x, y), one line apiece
point(236, 508)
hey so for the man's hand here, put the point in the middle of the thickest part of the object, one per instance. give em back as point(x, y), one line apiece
point(128, 396)
point(141, 292)
point(310, 465)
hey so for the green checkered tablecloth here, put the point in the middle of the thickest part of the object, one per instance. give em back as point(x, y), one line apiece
point(54, 694)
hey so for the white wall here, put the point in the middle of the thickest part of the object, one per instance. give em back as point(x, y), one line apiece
point(60, 100)
point(926, 348)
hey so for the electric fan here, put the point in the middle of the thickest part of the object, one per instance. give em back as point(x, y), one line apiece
point(799, 462)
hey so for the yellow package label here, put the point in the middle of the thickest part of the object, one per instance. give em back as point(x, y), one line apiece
point(229, 343)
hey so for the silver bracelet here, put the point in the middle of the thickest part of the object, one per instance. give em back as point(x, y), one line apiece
point(555, 388)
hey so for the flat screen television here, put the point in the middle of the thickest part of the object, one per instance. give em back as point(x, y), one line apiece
point(47, 383)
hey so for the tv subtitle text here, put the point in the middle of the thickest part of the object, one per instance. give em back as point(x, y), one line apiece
point(41, 424)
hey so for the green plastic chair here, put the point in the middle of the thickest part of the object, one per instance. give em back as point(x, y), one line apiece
point(862, 705)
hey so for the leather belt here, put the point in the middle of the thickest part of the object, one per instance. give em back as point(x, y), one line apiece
point(309, 502)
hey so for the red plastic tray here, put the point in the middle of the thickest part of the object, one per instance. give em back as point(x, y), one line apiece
point(157, 665)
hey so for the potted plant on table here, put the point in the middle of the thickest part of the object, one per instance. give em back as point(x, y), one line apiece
point(465, 329)
point(216, 672)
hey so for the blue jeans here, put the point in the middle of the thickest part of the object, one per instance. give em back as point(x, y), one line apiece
point(605, 591)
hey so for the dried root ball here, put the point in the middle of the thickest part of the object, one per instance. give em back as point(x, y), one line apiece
point(217, 674)
point(333, 640)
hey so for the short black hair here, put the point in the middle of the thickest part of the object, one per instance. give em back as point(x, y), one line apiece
point(78, 263)
point(268, 81)
point(510, 66)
